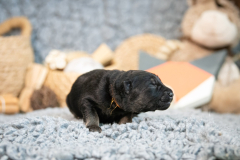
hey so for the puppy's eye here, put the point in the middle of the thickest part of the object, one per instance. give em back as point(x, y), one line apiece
point(155, 85)
point(153, 82)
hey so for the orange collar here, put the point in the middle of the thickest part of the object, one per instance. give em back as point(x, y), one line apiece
point(113, 100)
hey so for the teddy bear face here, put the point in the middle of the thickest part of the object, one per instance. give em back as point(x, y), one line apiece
point(212, 23)
point(214, 30)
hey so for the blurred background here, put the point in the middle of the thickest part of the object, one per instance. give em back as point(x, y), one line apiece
point(84, 25)
point(192, 45)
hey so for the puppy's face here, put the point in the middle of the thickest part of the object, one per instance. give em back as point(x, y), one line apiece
point(141, 91)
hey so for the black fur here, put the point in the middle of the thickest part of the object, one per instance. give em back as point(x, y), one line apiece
point(134, 91)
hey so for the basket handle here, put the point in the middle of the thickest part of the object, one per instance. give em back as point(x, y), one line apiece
point(16, 22)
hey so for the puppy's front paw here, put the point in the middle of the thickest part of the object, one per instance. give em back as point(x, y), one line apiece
point(94, 129)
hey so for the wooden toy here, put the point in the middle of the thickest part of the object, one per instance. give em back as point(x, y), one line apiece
point(8, 104)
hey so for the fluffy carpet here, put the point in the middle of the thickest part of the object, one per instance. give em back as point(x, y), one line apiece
point(172, 134)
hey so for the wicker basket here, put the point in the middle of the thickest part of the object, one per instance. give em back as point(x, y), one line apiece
point(126, 54)
point(15, 55)
point(61, 83)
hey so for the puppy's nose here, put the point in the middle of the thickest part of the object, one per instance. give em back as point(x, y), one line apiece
point(170, 94)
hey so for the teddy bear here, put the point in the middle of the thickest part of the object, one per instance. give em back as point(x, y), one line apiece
point(210, 25)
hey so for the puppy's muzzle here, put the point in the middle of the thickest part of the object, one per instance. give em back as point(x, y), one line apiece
point(166, 99)
point(167, 96)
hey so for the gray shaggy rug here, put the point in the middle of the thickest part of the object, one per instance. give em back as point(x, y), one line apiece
point(171, 134)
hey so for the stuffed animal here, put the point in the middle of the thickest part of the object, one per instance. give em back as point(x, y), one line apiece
point(236, 2)
point(43, 98)
point(207, 26)
point(227, 90)
point(83, 65)
point(56, 60)
point(59, 60)
point(212, 23)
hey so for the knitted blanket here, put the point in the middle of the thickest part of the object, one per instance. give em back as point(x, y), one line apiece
point(171, 134)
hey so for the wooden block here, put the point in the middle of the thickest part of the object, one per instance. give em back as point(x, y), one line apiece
point(36, 76)
point(24, 99)
point(41, 77)
point(9, 109)
point(9, 104)
point(103, 54)
point(10, 99)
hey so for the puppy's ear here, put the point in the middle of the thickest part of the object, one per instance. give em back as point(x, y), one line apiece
point(127, 86)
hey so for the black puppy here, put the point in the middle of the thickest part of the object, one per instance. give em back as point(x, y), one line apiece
point(115, 96)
